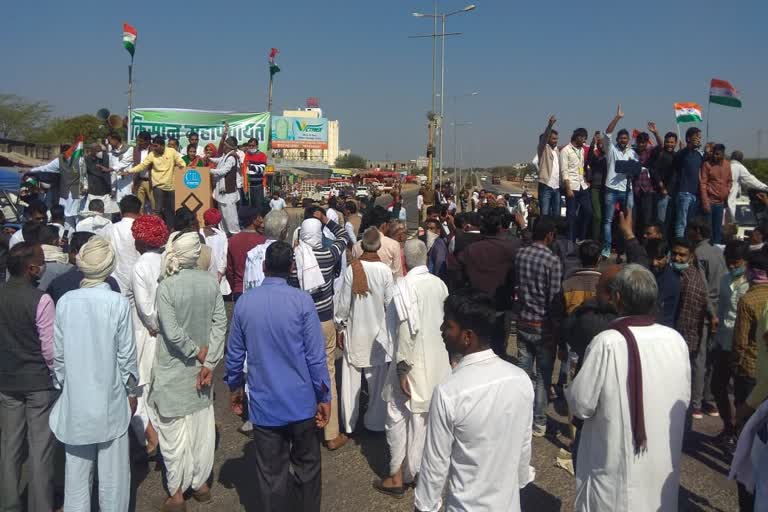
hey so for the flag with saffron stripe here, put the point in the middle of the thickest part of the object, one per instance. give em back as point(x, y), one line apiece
point(75, 151)
point(688, 113)
point(129, 38)
point(723, 93)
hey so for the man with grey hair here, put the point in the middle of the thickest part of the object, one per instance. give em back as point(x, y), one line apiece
point(742, 180)
point(421, 362)
point(360, 307)
point(632, 392)
point(275, 228)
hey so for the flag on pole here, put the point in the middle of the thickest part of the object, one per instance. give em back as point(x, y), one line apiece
point(273, 67)
point(129, 38)
point(75, 151)
point(688, 113)
point(723, 93)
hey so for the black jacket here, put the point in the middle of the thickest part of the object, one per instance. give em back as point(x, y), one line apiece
point(586, 322)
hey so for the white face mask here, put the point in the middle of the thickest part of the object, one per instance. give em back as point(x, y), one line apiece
point(253, 151)
point(756, 247)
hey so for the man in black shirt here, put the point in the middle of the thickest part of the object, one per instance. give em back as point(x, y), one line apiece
point(663, 176)
point(70, 280)
point(99, 177)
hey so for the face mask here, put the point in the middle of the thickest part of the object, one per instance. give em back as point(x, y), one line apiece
point(253, 151)
point(680, 267)
point(756, 247)
point(737, 272)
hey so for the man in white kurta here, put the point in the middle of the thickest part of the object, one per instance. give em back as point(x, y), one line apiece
point(611, 474)
point(120, 238)
point(150, 234)
point(366, 340)
point(225, 191)
point(421, 363)
point(217, 240)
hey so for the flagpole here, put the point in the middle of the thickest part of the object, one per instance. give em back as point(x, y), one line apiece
point(269, 100)
point(130, 96)
point(706, 133)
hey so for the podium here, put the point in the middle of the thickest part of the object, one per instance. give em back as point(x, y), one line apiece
point(193, 190)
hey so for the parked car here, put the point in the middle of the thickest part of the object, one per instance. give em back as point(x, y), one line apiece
point(745, 219)
point(361, 192)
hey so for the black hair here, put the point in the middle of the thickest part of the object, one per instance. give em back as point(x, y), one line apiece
point(191, 146)
point(719, 147)
point(459, 220)
point(116, 136)
point(231, 141)
point(737, 155)
point(589, 253)
point(432, 210)
point(333, 202)
point(658, 226)
point(79, 239)
point(310, 211)
point(702, 225)
point(184, 219)
point(96, 205)
point(49, 235)
point(670, 134)
point(64, 148)
point(544, 226)
point(579, 132)
point(144, 136)
point(554, 132)
point(158, 139)
point(758, 260)
point(473, 219)
point(32, 231)
point(762, 228)
point(253, 139)
point(491, 221)
point(351, 207)
point(20, 256)
point(190, 134)
point(736, 250)
point(643, 137)
point(379, 215)
point(682, 242)
point(690, 132)
point(621, 132)
point(473, 310)
point(173, 139)
point(36, 206)
point(657, 249)
point(249, 215)
point(57, 212)
point(279, 258)
point(130, 204)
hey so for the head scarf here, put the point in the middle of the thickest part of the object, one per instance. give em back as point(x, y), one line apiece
point(212, 217)
point(151, 230)
point(54, 254)
point(181, 252)
point(96, 260)
point(212, 147)
point(310, 239)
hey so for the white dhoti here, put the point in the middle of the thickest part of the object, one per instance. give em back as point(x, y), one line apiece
point(230, 222)
point(113, 463)
point(351, 382)
point(72, 207)
point(187, 444)
point(123, 186)
point(406, 433)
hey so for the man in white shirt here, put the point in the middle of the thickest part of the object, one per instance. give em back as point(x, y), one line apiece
point(742, 179)
point(121, 239)
point(421, 363)
point(277, 202)
point(578, 200)
point(93, 219)
point(121, 159)
point(480, 419)
point(632, 392)
point(360, 315)
point(225, 191)
point(390, 252)
point(615, 183)
point(549, 170)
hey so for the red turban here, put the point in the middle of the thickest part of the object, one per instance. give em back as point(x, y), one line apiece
point(151, 230)
point(211, 146)
point(212, 217)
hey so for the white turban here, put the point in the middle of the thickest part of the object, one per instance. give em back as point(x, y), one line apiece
point(96, 260)
point(182, 251)
point(310, 239)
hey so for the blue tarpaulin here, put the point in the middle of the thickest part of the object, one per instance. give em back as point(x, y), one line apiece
point(9, 179)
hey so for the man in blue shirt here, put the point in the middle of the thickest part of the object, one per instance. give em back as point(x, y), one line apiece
point(288, 383)
point(687, 166)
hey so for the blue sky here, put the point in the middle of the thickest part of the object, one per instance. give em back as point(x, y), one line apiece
point(526, 59)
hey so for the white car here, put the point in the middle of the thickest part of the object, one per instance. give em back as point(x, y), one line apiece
point(745, 219)
point(361, 192)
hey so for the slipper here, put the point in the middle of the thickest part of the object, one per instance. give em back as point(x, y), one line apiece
point(202, 497)
point(394, 492)
point(162, 506)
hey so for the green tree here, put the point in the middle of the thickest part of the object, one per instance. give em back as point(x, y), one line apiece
point(351, 162)
point(20, 118)
point(758, 167)
point(65, 130)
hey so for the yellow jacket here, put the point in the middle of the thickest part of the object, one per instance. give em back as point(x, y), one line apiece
point(162, 167)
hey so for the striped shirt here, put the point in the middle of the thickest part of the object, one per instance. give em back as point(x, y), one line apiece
point(328, 259)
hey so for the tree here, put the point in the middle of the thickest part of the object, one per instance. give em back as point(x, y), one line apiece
point(65, 130)
point(351, 162)
point(21, 119)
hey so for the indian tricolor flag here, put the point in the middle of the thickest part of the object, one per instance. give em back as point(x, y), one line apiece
point(75, 151)
point(688, 113)
point(723, 93)
point(129, 38)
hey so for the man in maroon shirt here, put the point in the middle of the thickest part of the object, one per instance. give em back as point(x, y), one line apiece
point(251, 235)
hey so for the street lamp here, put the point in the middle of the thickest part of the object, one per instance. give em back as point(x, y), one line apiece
point(442, 17)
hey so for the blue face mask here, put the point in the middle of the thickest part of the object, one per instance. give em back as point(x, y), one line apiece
point(680, 267)
point(737, 272)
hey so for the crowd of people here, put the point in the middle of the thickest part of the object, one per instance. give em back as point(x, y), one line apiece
point(112, 332)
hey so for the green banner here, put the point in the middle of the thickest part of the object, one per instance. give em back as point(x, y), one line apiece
point(209, 125)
